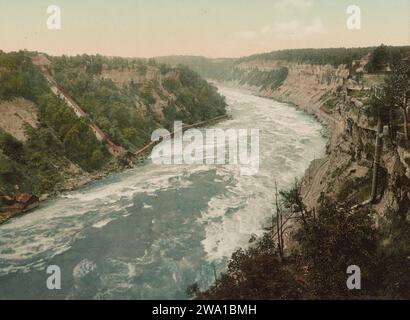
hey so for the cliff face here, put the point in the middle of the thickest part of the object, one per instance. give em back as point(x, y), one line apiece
point(152, 80)
point(305, 84)
point(64, 118)
point(345, 173)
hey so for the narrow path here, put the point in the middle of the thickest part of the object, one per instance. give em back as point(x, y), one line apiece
point(115, 150)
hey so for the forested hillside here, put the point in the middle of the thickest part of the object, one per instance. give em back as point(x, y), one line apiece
point(34, 165)
point(128, 99)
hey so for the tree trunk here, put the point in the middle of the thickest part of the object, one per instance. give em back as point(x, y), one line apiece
point(405, 123)
point(377, 154)
point(391, 125)
point(278, 224)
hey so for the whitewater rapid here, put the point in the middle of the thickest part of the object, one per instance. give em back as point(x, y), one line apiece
point(153, 230)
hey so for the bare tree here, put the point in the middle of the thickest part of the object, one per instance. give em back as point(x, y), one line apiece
point(279, 223)
point(377, 155)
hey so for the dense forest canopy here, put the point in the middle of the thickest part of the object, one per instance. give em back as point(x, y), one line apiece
point(332, 56)
point(128, 112)
point(33, 165)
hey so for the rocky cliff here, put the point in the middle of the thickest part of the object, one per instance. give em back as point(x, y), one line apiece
point(339, 101)
point(62, 117)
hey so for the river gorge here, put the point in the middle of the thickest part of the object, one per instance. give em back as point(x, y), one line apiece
point(153, 230)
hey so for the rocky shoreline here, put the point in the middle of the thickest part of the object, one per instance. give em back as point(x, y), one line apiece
point(343, 174)
point(13, 208)
point(327, 121)
point(319, 177)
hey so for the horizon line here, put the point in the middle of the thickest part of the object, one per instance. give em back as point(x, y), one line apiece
point(202, 56)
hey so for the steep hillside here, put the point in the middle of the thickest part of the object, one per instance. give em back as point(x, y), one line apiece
point(339, 96)
point(335, 85)
point(49, 138)
point(341, 214)
point(15, 115)
point(130, 98)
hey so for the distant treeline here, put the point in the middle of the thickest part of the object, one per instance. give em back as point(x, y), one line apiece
point(332, 56)
point(227, 69)
point(216, 69)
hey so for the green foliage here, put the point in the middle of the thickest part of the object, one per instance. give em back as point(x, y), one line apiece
point(172, 85)
point(9, 173)
point(111, 107)
point(31, 168)
point(227, 69)
point(397, 85)
point(19, 78)
point(256, 274)
point(79, 142)
point(390, 102)
point(326, 243)
point(114, 107)
point(11, 147)
point(378, 60)
point(35, 166)
point(332, 56)
point(164, 69)
point(331, 241)
point(217, 69)
point(172, 114)
point(142, 69)
point(197, 99)
point(330, 101)
point(377, 107)
point(147, 97)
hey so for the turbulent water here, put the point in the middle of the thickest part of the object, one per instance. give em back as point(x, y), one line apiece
point(153, 230)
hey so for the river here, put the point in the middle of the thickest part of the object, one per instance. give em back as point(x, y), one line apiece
point(151, 231)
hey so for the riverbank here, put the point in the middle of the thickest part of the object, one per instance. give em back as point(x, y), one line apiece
point(116, 165)
point(157, 229)
point(310, 186)
point(345, 173)
point(331, 174)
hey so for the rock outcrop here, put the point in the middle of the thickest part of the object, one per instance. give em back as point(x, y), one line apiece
point(345, 174)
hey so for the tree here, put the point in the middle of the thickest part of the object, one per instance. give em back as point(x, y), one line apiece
point(279, 225)
point(398, 91)
point(12, 147)
point(256, 273)
point(379, 111)
point(96, 158)
point(292, 200)
point(378, 60)
point(335, 239)
point(72, 140)
point(6, 165)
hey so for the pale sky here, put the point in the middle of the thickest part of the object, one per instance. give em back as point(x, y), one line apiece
point(213, 28)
